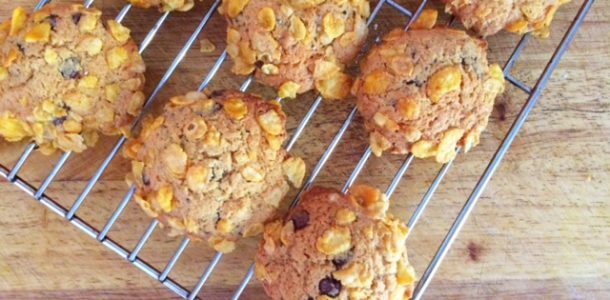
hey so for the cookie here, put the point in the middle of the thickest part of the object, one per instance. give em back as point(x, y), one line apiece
point(165, 5)
point(336, 246)
point(426, 92)
point(65, 76)
point(213, 166)
point(297, 45)
point(488, 17)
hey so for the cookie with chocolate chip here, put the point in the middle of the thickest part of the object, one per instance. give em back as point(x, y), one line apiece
point(336, 246)
point(165, 5)
point(488, 17)
point(212, 166)
point(65, 76)
point(297, 45)
point(427, 91)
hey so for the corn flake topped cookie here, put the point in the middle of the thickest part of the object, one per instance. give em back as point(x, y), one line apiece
point(65, 76)
point(427, 91)
point(488, 17)
point(213, 166)
point(297, 45)
point(336, 246)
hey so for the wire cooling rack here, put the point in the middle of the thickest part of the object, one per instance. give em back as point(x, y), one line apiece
point(70, 214)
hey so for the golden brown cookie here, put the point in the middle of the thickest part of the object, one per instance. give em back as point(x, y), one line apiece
point(165, 5)
point(64, 77)
point(335, 246)
point(213, 166)
point(488, 17)
point(296, 45)
point(426, 92)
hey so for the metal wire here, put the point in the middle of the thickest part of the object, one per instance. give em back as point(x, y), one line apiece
point(163, 276)
point(40, 4)
point(359, 166)
point(88, 3)
point(21, 161)
point(115, 215)
point(121, 15)
point(426, 199)
point(172, 262)
point(401, 172)
point(149, 231)
point(49, 179)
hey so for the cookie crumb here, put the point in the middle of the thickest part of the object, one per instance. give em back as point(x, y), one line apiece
point(206, 46)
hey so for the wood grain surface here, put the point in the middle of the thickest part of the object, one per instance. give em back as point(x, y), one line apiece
point(540, 231)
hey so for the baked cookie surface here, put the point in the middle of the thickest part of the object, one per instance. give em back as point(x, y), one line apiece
point(296, 46)
point(213, 166)
point(165, 5)
point(426, 92)
point(335, 246)
point(488, 17)
point(64, 77)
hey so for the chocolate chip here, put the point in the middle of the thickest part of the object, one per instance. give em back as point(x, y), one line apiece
point(76, 18)
point(218, 218)
point(217, 107)
point(300, 219)
point(343, 259)
point(53, 21)
point(59, 121)
point(259, 64)
point(330, 287)
point(218, 174)
point(145, 180)
point(71, 68)
point(217, 93)
point(21, 48)
point(339, 262)
point(415, 82)
point(309, 298)
point(202, 113)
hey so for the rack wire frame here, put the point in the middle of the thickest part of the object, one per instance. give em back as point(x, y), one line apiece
point(163, 277)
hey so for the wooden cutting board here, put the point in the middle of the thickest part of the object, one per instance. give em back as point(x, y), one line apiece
point(540, 231)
